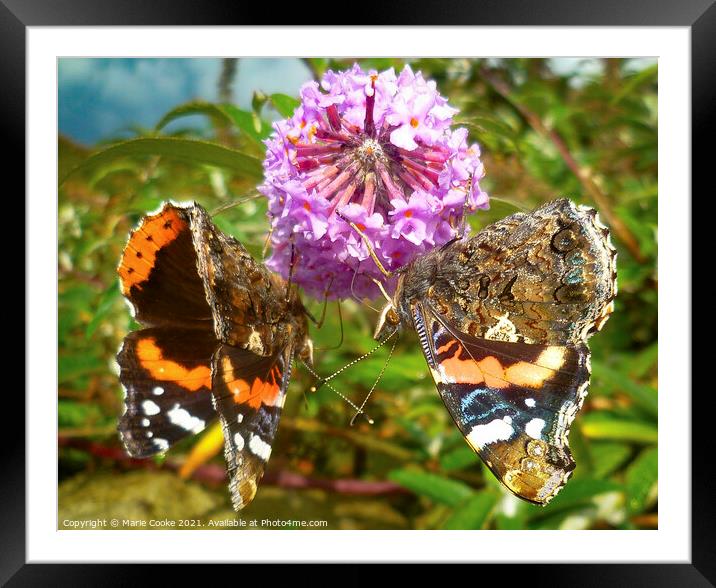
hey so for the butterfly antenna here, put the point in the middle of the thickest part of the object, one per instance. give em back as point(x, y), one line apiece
point(340, 323)
point(375, 384)
point(358, 298)
point(267, 243)
point(361, 358)
point(319, 322)
point(321, 381)
point(382, 291)
point(462, 229)
point(291, 267)
point(369, 245)
point(229, 205)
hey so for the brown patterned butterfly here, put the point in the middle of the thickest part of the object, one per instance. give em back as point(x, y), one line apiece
point(503, 320)
point(220, 332)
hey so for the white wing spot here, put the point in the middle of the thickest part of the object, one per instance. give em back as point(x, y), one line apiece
point(530, 402)
point(534, 428)
point(239, 441)
point(150, 408)
point(259, 447)
point(239, 418)
point(158, 391)
point(161, 444)
point(145, 422)
point(183, 419)
point(497, 430)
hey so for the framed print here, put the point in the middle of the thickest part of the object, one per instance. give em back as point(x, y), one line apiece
point(348, 287)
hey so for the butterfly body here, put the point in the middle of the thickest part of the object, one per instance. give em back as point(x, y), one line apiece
point(503, 319)
point(220, 332)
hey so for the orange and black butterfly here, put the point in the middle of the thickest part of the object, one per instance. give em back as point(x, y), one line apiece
point(503, 320)
point(220, 332)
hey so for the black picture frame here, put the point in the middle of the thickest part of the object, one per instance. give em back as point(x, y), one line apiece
point(699, 15)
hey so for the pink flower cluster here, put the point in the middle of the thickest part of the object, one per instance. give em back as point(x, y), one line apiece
point(376, 149)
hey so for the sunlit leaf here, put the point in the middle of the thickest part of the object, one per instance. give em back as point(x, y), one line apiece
point(189, 150)
point(104, 306)
point(641, 480)
point(437, 488)
point(604, 426)
point(608, 456)
point(474, 513)
point(458, 458)
point(285, 105)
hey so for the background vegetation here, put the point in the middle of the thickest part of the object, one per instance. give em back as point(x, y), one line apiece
point(586, 131)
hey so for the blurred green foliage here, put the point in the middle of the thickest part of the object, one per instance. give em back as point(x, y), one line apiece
point(588, 133)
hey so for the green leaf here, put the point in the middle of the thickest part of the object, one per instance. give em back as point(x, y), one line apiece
point(644, 76)
point(605, 426)
point(645, 361)
point(189, 150)
point(641, 480)
point(105, 304)
point(71, 367)
point(248, 123)
point(581, 491)
point(474, 513)
point(213, 111)
point(285, 105)
point(607, 457)
point(643, 395)
point(76, 414)
point(458, 458)
point(437, 488)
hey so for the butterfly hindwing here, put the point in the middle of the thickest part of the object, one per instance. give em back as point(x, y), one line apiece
point(249, 392)
point(166, 374)
point(513, 401)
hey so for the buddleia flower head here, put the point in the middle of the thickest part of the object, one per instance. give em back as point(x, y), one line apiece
point(375, 149)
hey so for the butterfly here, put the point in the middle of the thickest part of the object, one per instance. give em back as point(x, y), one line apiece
point(503, 320)
point(219, 334)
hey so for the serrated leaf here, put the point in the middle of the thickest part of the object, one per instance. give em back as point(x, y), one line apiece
point(474, 513)
point(641, 478)
point(284, 105)
point(437, 488)
point(188, 150)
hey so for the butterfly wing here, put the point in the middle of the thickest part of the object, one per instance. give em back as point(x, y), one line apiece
point(165, 369)
point(166, 374)
point(514, 402)
point(158, 272)
point(247, 301)
point(249, 391)
point(221, 339)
